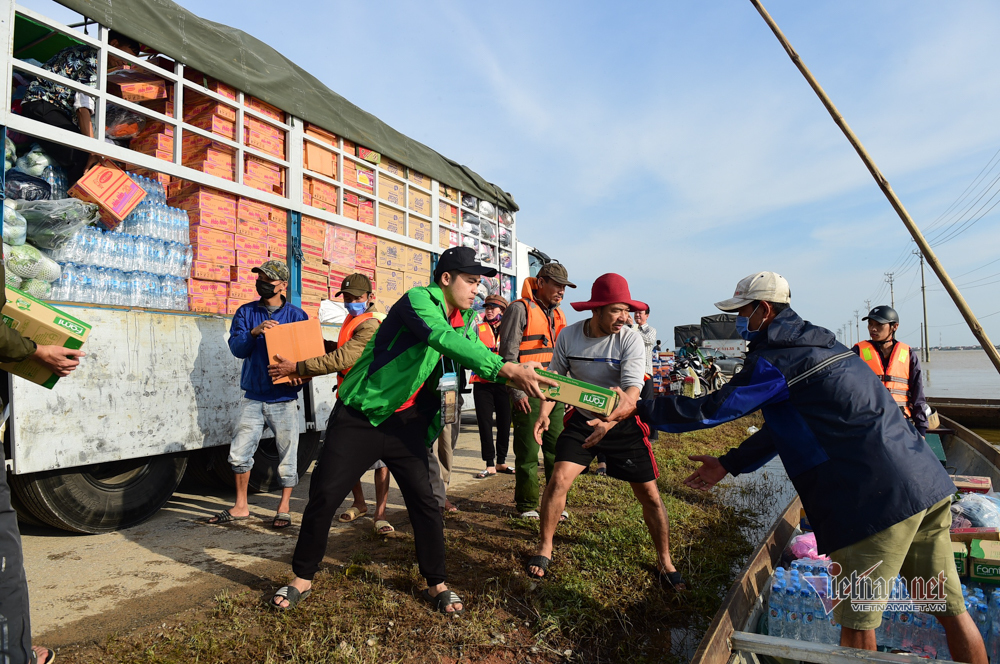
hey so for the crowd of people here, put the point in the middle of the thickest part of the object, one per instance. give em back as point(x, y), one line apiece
point(847, 424)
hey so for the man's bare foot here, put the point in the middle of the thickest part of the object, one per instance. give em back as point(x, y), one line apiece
point(448, 507)
point(301, 585)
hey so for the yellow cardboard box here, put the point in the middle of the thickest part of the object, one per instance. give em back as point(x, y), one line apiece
point(46, 326)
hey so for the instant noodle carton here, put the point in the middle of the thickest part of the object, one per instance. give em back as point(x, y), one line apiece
point(46, 326)
point(578, 393)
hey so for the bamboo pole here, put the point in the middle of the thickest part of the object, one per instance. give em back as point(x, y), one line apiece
point(911, 226)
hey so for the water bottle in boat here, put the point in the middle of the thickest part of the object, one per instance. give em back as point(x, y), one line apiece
point(807, 621)
point(793, 615)
point(775, 610)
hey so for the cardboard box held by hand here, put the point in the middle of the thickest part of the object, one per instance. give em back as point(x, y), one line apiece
point(294, 341)
point(46, 326)
point(575, 392)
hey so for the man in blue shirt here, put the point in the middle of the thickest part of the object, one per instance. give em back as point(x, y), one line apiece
point(263, 401)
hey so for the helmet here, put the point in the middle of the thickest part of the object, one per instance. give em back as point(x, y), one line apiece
point(882, 314)
point(693, 340)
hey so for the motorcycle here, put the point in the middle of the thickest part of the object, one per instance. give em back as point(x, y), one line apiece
point(689, 377)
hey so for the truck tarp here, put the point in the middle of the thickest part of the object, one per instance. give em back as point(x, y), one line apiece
point(719, 326)
point(684, 332)
point(234, 57)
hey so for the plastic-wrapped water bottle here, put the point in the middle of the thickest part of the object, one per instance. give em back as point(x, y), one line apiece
point(793, 613)
point(188, 261)
point(807, 621)
point(776, 611)
point(982, 620)
point(181, 291)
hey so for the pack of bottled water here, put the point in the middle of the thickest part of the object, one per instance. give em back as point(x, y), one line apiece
point(144, 262)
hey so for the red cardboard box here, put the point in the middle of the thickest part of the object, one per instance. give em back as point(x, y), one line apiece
point(264, 108)
point(252, 210)
point(245, 259)
point(152, 142)
point(210, 107)
point(215, 124)
point(209, 271)
point(111, 189)
point(232, 304)
point(242, 275)
point(196, 196)
point(367, 239)
point(294, 341)
point(253, 229)
point(214, 255)
point(321, 134)
point(216, 288)
point(275, 242)
point(243, 290)
point(250, 245)
point(212, 220)
point(207, 304)
point(279, 255)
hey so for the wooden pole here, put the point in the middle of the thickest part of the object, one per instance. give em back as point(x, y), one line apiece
point(883, 183)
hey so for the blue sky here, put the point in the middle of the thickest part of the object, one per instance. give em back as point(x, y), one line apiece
point(676, 144)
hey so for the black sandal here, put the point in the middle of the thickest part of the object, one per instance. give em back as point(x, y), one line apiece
point(483, 475)
point(292, 594)
point(542, 563)
point(443, 600)
point(671, 581)
point(224, 517)
point(507, 470)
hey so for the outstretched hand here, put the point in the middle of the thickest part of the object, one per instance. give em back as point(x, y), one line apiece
point(281, 368)
point(708, 474)
point(625, 408)
point(57, 359)
point(523, 377)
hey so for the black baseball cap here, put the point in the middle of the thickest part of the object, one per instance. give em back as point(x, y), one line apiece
point(462, 259)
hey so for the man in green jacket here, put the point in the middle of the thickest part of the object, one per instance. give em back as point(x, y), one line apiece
point(390, 409)
point(15, 638)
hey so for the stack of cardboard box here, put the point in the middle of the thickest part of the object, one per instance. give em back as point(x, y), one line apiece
point(398, 269)
point(212, 215)
point(216, 86)
point(204, 154)
point(157, 138)
point(263, 136)
point(315, 270)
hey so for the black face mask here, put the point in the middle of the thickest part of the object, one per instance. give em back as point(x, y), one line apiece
point(265, 290)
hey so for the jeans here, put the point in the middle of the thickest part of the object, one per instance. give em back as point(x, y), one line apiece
point(526, 452)
point(283, 419)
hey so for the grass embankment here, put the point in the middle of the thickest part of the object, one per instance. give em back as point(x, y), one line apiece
point(602, 603)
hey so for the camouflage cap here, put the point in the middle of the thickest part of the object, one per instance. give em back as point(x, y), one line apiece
point(274, 270)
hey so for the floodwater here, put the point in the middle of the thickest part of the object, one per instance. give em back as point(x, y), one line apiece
point(967, 374)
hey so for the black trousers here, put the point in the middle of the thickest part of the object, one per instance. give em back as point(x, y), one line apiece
point(15, 625)
point(492, 398)
point(352, 446)
point(71, 159)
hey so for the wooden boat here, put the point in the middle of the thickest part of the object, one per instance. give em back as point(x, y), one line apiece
point(731, 637)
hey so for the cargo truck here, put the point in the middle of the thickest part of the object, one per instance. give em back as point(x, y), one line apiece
point(156, 397)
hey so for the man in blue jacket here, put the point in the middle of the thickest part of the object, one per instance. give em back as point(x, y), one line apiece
point(876, 496)
point(263, 401)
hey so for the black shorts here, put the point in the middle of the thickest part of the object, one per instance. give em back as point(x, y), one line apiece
point(626, 448)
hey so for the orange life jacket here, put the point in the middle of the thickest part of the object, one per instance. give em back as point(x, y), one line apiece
point(490, 340)
point(896, 377)
point(347, 330)
point(539, 338)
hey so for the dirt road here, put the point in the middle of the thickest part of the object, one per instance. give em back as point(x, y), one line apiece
point(86, 586)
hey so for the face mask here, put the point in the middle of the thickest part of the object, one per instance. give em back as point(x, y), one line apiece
point(743, 327)
point(356, 308)
point(264, 289)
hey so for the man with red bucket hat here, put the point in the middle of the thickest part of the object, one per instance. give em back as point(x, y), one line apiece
point(603, 351)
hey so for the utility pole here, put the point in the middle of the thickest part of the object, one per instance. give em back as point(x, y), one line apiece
point(868, 305)
point(850, 332)
point(892, 293)
point(857, 323)
point(926, 339)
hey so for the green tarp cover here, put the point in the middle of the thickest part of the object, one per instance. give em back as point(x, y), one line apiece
point(236, 58)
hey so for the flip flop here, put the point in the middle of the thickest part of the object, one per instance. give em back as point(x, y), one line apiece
point(281, 520)
point(42, 655)
point(383, 527)
point(443, 600)
point(506, 471)
point(538, 561)
point(292, 594)
point(352, 514)
point(483, 475)
point(224, 517)
point(602, 472)
point(671, 581)
point(564, 516)
point(530, 514)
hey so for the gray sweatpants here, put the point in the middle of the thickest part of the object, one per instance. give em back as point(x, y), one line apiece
point(15, 625)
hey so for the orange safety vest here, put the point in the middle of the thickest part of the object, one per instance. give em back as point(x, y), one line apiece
point(347, 330)
point(896, 377)
point(539, 338)
point(491, 341)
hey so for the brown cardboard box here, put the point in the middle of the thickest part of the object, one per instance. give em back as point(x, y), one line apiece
point(420, 202)
point(418, 261)
point(232, 304)
point(207, 304)
point(390, 284)
point(253, 229)
point(294, 341)
point(320, 160)
point(202, 235)
point(419, 179)
point(250, 244)
point(46, 326)
point(391, 220)
point(972, 483)
point(111, 189)
point(245, 259)
point(393, 168)
point(243, 290)
point(214, 255)
point(242, 275)
point(413, 280)
point(419, 230)
point(969, 534)
point(448, 214)
point(448, 192)
point(391, 255)
point(391, 190)
point(209, 271)
point(212, 220)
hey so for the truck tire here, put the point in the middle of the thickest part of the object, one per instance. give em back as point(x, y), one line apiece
point(264, 474)
point(102, 497)
point(202, 470)
point(24, 515)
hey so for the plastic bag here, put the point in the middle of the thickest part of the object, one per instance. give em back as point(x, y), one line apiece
point(470, 201)
point(506, 237)
point(58, 182)
point(24, 187)
point(331, 313)
point(804, 546)
point(506, 218)
point(28, 262)
point(10, 154)
point(51, 223)
point(487, 231)
point(12, 279)
point(123, 123)
point(37, 288)
point(34, 161)
point(15, 228)
point(487, 209)
point(978, 509)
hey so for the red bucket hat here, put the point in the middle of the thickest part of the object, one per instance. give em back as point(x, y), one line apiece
point(610, 288)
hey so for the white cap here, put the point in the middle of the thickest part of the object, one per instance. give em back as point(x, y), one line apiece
point(766, 286)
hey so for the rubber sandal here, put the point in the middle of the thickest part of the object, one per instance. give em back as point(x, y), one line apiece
point(564, 516)
point(40, 655)
point(383, 527)
point(224, 517)
point(483, 475)
point(443, 600)
point(280, 517)
point(602, 472)
point(506, 471)
point(530, 514)
point(538, 561)
point(352, 514)
point(292, 594)
point(670, 581)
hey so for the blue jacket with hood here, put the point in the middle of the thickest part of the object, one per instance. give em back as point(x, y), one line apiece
point(858, 465)
point(254, 378)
